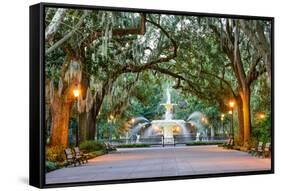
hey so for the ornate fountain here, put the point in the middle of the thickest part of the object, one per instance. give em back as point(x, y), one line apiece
point(168, 127)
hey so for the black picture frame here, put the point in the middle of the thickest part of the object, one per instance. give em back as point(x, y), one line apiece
point(37, 95)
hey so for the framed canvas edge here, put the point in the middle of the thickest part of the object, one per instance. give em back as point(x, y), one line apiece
point(36, 97)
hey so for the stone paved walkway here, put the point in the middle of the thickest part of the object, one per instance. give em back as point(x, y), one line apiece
point(158, 162)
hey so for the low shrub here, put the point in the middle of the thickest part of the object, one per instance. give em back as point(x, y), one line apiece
point(96, 153)
point(51, 166)
point(261, 131)
point(204, 143)
point(55, 154)
point(253, 142)
point(238, 141)
point(90, 146)
point(133, 145)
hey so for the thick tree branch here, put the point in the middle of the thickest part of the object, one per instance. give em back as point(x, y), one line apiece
point(167, 35)
point(259, 41)
point(68, 35)
point(190, 87)
point(253, 69)
point(148, 65)
point(255, 74)
point(54, 25)
point(229, 50)
point(117, 32)
point(222, 80)
point(168, 72)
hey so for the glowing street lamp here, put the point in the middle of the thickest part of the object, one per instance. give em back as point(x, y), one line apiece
point(76, 92)
point(231, 105)
point(203, 119)
point(222, 118)
point(111, 117)
point(261, 116)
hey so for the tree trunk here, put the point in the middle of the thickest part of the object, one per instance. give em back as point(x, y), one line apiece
point(92, 123)
point(245, 95)
point(84, 124)
point(61, 100)
point(87, 125)
point(240, 118)
point(83, 127)
point(60, 119)
point(94, 112)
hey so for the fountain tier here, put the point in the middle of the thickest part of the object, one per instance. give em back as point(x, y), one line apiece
point(169, 128)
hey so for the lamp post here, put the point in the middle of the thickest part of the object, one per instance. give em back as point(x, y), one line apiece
point(231, 105)
point(163, 136)
point(111, 118)
point(222, 118)
point(76, 93)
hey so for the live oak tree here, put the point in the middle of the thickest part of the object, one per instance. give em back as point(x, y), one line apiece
point(77, 48)
point(63, 72)
point(247, 61)
point(226, 56)
point(129, 51)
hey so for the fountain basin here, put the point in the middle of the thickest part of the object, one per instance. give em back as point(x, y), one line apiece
point(169, 128)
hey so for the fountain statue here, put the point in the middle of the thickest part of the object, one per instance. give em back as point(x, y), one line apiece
point(168, 105)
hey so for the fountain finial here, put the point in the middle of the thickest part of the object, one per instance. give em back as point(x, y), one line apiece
point(168, 105)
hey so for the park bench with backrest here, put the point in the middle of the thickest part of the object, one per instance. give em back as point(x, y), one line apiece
point(80, 155)
point(255, 150)
point(229, 144)
point(265, 151)
point(109, 147)
point(226, 143)
point(70, 158)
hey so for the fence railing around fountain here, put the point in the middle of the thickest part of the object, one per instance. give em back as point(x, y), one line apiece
point(182, 139)
point(149, 141)
point(162, 141)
